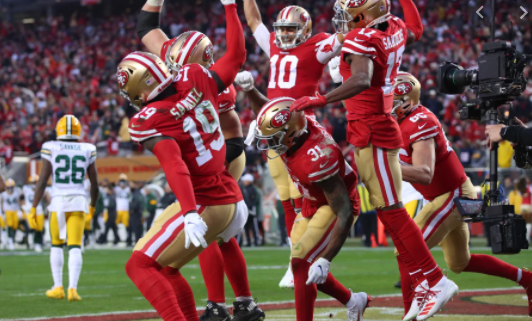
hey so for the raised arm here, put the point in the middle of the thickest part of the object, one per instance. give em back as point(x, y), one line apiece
point(253, 18)
point(245, 80)
point(225, 69)
point(412, 21)
point(148, 26)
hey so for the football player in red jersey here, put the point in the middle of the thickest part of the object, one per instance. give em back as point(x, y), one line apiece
point(330, 203)
point(297, 62)
point(434, 170)
point(183, 117)
point(371, 55)
point(195, 47)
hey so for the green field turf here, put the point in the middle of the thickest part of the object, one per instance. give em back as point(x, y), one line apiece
point(104, 286)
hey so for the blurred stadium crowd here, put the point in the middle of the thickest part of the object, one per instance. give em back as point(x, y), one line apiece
point(67, 65)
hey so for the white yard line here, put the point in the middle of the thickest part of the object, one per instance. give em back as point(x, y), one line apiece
point(267, 302)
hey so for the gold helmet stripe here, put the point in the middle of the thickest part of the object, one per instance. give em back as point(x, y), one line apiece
point(69, 124)
point(152, 68)
point(286, 12)
point(190, 42)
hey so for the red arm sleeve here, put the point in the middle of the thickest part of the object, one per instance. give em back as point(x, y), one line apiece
point(412, 18)
point(169, 155)
point(228, 66)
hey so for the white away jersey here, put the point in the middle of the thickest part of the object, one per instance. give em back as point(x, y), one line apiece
point(29, 195)
point(70, 161)
point(122, 198)
point(10, 201)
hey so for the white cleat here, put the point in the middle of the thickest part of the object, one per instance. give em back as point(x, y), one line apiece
point(436, 297)
point(37, 248)
point(10, 244)
point(417, 302)
point(287, 282)
point(362, 301)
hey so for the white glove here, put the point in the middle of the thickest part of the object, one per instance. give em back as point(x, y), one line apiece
point(227, 2)
point(195, 229)
point(245, 80)
point(318, 271)
point(334, 69)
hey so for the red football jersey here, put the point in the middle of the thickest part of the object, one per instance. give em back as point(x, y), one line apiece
point(226, 100)
point(316, 160)
point(449, 173)
point(191, 118)
point(385, 48)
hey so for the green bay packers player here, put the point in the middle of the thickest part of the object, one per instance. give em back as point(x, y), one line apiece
point(3, 233)
point(11, 208)
point(38, 229)
point(123, 196)
point(67, 161)
point(432, 167)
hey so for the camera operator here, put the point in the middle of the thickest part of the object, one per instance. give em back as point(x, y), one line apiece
point(517, 134)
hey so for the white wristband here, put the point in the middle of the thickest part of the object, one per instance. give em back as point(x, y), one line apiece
point(155, 3)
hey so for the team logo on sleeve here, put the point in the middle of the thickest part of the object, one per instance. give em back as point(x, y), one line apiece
point(357, 3)
point(281, 118)
point(122, 77)
point(207, 55)
point(403, 89)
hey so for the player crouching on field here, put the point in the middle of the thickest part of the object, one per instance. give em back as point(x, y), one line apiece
point(328, 185)
point(431, 165)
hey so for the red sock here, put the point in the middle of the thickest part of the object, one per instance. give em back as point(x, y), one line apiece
point(490, 265)
point(399, 223)
point(333, 288)
point(289, 216)
point(212, 268)
point(298, 204)
point(183, 293)
point(305, 294)
point(145, 273)
point(406, 284)
point(235, 268)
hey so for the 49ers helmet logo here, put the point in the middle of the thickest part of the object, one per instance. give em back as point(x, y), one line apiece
point(403, 89)
point(304, 17)
point(356, 3)
point(207, 55)
point(281, 118)
point(122, 78)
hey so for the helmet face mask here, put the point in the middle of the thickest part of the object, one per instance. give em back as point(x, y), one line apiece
point(272, 142)
point(341, 20)
point(351, 14)
point(292, 27)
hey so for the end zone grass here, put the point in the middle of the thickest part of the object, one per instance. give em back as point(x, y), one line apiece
point(104, 286)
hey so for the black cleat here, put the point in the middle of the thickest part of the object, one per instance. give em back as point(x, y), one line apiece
point(215, 312)
point(398, 284)
point(247, 310)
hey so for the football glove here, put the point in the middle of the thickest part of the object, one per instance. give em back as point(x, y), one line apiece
point(309, 102)
point(195, 229)
point(318, 271)
point(227, 2)
point(245, 80)
point(32, 218)
point(90, 215)
point(334, 69)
